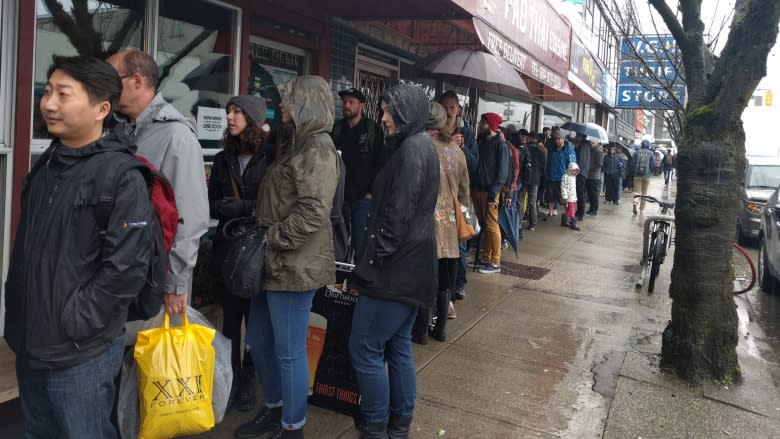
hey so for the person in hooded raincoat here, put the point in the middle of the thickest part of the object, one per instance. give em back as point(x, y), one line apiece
point(396, 270)
point(295, 203)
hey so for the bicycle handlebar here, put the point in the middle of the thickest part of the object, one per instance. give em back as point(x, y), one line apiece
point(663, 204)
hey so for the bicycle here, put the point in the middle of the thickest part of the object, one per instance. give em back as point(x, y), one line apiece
point(657, 240)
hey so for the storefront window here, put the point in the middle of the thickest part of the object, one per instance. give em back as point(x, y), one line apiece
point(514, 112)
point(82, 27)
point(196, 54)
point(558, 113)
point(272, 64)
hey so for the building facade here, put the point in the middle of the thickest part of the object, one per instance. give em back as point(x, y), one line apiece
point(209, 50)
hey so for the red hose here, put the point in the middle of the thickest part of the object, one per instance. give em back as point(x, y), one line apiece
point(752, 269)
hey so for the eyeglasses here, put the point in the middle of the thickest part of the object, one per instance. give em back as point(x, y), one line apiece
point(126, 76)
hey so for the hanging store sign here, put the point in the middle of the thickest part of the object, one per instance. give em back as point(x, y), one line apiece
point(650, 97)
point(501, 46)
point(584, 70)
point(533, 25)
point(649, 77)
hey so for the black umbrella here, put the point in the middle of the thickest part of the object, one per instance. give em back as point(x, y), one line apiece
point(474, 68)
point(626, 149)
point(591, 130)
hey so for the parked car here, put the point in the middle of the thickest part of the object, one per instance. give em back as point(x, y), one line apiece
point(761, 178)
point(769, 244)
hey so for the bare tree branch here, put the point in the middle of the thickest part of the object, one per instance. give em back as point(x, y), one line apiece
point(671, 21)
point(742, 63)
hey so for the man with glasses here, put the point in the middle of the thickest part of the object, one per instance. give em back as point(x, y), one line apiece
point(167, 139)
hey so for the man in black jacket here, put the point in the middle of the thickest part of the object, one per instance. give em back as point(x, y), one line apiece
point(535, 167)
point(396, 272)
point(70, 282)
point(361, 143)
point(583, 161)
point(492, 172)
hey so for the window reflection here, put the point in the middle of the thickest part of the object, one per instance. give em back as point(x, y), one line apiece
point(196, 56)
point(81, 27)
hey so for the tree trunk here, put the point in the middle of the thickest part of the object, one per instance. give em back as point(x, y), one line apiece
point(700, 340)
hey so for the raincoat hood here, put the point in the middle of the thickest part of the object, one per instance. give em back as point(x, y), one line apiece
point(409, 107)
point(309, 101)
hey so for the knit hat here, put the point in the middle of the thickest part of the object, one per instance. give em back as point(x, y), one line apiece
point(437, 116)
point(573, 165)
point(253, 107)
point(493, 119)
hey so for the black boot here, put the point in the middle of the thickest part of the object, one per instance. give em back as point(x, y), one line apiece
point(267, 420)
point(420, 329)
point(233, 395)
point(399, 427)
point(439, 331)
point(247, 396)
point(573, 224)
point(374, 431)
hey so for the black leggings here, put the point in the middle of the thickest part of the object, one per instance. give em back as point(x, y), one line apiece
point(448, 272)
point(235, 311)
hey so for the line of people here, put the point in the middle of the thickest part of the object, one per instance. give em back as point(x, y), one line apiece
point(398, 188)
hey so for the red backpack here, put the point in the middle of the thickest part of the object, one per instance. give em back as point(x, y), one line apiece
point(110, 166)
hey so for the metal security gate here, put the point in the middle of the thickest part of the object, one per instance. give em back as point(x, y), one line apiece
point(372, 85)
point(375, 72)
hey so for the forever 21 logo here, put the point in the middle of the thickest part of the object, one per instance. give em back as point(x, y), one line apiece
point(177, 391)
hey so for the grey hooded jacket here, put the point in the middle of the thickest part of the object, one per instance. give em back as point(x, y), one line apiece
point(167, 139)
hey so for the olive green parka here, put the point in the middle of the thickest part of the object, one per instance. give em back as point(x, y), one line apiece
point(297, 192)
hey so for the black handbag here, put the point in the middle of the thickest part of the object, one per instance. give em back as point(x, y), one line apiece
point(243, 268)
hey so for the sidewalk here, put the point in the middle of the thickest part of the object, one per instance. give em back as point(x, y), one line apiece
point(573, 354)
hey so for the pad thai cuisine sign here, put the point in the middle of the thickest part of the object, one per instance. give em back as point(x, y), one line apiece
point(530, 35)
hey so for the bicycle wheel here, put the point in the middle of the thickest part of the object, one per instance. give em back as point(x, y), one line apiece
point(657, 255)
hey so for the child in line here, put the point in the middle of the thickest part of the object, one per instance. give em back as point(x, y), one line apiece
point(569, 195)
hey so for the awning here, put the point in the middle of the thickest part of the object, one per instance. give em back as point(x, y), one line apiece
point(501, 46)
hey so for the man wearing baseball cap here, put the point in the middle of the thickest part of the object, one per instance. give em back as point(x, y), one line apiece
point(361, 143)
point(492, 172)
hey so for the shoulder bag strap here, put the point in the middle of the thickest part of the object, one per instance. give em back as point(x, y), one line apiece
point(233, 183)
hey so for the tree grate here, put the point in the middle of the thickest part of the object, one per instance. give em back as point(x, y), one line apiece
point(523, 271)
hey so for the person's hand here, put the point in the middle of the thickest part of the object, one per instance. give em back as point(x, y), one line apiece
point(458, 138)
point(368, 196)
point(175, 303)
point(230, 207)
point(507, 200)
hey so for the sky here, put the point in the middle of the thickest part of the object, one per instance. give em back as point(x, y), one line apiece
point(754, 119)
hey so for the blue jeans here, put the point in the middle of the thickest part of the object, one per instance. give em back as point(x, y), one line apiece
point(359, 211)
point(382, 331)
point(278, 322)
point(460, 278)
point(71, 403)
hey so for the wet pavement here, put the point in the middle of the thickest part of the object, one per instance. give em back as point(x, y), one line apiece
point(575, 354)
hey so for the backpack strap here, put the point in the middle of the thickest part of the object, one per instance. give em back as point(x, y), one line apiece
point(108, 168)
point(337, 133)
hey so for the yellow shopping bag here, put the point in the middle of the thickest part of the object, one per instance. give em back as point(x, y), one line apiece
point(175, 377)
